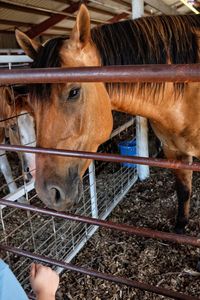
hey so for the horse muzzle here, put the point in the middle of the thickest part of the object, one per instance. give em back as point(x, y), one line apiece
point(58, 194)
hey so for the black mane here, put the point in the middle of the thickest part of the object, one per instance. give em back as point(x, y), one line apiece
point(151, 40)
point(48, 57)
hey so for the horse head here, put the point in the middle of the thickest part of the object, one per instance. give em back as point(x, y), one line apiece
point(23, 133)
point(7, 107)
point(72, 116)
point(16, 117)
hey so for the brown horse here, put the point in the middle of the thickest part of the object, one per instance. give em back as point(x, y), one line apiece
point(77, 116)
point(15, 118)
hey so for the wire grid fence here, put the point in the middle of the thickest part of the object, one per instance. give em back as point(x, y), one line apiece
point(104, 185)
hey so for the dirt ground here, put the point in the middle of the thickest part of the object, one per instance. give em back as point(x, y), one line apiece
point(150, 204)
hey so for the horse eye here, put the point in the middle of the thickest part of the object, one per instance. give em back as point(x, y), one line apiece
point(74, 94)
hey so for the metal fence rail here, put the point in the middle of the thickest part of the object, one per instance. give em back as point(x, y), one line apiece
point(152, 162)
point(145, 232)
point(138, 73)
point(91, 272)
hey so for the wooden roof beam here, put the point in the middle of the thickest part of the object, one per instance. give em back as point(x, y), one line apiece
point(91, 8)
point(119, 17)
point(124, 15)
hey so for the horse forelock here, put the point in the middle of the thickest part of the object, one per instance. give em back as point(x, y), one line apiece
point(48, 57)
point(149, 40)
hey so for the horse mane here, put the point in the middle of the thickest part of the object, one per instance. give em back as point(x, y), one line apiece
point(150, 40)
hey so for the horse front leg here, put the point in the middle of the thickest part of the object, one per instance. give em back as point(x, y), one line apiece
point(183, 189)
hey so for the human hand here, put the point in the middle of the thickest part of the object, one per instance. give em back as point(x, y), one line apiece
point(44, 281)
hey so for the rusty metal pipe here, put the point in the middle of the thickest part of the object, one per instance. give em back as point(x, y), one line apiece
point(108, 277)
point(152, 162)
point(134, 73)
point(132, 230)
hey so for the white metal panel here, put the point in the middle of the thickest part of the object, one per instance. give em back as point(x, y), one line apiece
point(14, 59)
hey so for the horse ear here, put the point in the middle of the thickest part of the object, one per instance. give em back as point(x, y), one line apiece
point(8, 96)
point(81, 31)
point(30, 47)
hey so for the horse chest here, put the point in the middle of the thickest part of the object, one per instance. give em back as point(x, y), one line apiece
point(185, 141)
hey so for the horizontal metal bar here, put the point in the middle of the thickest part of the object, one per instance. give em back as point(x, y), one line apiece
point(136, 73)
point(139, 231)
point(152, 162)
point(91, 272)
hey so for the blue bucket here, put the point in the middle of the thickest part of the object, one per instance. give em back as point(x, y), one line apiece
point(128, 148)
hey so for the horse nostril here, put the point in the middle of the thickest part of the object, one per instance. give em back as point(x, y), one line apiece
point(56, 195)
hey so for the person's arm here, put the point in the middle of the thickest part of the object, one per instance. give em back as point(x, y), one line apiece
point(44, 282)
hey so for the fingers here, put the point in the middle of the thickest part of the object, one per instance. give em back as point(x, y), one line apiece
point(33, 270)
point(38, 270)
point(43, 279)
point(38, 267)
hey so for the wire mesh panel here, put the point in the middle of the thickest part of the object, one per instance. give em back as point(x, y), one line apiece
point(104, 185)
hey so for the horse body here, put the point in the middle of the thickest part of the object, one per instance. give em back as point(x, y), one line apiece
point(85, 108)
point(176, 123)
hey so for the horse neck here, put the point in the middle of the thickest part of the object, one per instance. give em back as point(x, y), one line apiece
point(142, 102)
point(153, 40)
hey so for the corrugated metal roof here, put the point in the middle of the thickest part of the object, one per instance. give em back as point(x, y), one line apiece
point(8, 14)
point(55, 5)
